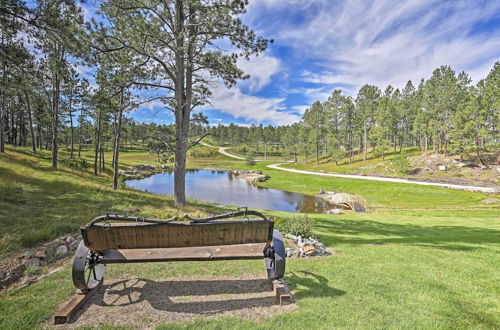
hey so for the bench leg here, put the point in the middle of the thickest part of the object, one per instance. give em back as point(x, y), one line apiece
point(64, 313)
point(283, 295)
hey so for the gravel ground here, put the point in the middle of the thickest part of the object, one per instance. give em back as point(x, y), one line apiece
point(144, 303)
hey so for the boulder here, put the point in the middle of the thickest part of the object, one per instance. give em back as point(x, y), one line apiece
point(33, 262)
point(465, 164)
point(334, 211)
point(28, 254)
point(73, 245)
point(61, 250)
point(443, 167)
point(40, 254)
point(309, 250)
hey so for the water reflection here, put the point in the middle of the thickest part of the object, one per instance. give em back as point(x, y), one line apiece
point(226, 189)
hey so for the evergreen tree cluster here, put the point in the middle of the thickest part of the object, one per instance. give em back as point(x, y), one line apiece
point(445, 113)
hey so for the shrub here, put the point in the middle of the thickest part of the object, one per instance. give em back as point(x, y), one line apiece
point(250, 158)
point(298, 225)
point(402, 162)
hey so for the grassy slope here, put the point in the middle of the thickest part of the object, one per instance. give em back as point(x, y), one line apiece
point(38, 203)
point(392, 268)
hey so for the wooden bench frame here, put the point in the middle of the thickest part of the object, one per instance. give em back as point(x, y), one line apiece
point(156, 240)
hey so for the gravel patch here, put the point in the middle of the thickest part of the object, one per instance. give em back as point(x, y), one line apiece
point(144, 303)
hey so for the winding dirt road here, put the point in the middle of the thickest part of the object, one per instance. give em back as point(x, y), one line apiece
point(364, 177)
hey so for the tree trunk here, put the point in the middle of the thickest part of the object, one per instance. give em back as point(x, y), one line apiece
point(80, 122)
point(2, 123)
point(97, 143)
point(116, 152)
point(182, 109)
point(55, 119)
point(365, 142)
point(33, 141)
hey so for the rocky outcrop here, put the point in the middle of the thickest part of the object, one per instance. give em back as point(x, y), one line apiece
point(31, 261)
point(303, 248)
point(343, 201)
point(251, 176)
point(142, 171)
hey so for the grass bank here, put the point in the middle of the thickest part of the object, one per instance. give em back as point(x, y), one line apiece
point(432, 265)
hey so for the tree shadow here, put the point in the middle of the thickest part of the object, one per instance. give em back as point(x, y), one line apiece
point(333, 232)
point(308, 284)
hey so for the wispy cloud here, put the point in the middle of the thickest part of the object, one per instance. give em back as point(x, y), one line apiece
point(258, 109)
point(385, 41)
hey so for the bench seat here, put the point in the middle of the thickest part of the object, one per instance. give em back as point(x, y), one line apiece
point(204, 253)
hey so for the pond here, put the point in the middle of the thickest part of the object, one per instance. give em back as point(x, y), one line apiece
point(225, 188)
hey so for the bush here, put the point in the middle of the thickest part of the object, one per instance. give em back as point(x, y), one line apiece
point(298, 225)
point(250, 158)
point(402, 162)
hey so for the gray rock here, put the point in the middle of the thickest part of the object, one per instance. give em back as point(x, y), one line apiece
point(20, 269)
point(69, 239)
point(61, 250)
point(32, 262)
point(334, 211)
point(73, 245)
point(28, 254)
point(465, 164)
point(442, 167)
point(40, 254)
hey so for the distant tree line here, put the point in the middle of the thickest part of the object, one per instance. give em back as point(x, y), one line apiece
point(445, 113)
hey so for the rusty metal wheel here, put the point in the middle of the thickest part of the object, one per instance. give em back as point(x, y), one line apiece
point(87, 269)
point(277, 261)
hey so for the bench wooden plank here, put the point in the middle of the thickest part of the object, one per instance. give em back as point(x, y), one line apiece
point(65, 312)
point(223, 252)
point(176, 234)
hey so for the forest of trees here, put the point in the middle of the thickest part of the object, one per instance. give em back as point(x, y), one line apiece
point(46, 102)
point(445, 113)
point(138, 51)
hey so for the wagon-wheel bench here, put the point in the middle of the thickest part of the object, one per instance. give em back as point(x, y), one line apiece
point(122, 239)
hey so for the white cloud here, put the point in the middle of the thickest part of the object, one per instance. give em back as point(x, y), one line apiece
point(239, 105)
point(301, 108)
point(261, 69)
point(385, 41)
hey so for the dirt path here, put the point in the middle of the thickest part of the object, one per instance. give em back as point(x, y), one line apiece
point(378, 178)
point(367, 177)
point(145, 303)
point(225, 153)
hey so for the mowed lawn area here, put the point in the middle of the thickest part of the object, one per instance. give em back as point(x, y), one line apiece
point(422, 257)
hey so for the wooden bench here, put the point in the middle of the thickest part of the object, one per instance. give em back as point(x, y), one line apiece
point(154, 240)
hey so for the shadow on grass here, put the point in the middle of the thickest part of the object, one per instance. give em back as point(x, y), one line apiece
point(202, 297)
point(308, 284)
point(372, 232)
point(205, 297)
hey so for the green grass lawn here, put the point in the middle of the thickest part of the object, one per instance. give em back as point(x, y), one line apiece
point(378, 194)
point(432, 265)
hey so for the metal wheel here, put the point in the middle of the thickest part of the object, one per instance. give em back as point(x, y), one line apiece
point(87, 269)
point(276, 263)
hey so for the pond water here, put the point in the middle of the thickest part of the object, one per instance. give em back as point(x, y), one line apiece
point(225, 188)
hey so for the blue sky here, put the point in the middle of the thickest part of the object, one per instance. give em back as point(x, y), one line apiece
point(322, 45)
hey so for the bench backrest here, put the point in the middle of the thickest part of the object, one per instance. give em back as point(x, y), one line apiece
point(176, 234)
